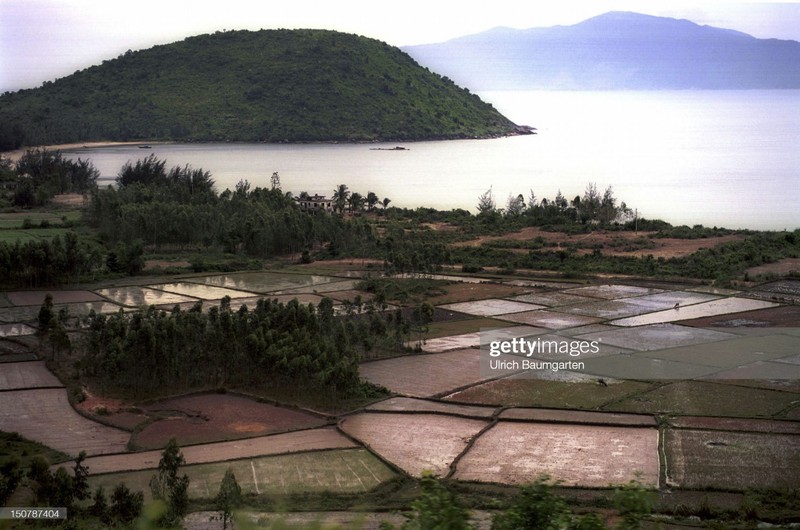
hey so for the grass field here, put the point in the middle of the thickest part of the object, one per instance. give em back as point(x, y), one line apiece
point(14, 446)
point(11, 236)
point(541, 393)
point(460, 327)
point(17, 219)
point(339, 471)
point(699, 398)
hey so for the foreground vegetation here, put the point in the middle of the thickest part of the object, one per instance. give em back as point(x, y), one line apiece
point(250, 86)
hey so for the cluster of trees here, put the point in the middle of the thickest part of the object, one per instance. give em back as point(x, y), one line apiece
point(36, 263)
point(180, 208)
point(353, 202)
point(62, 489)
point(416, 251)
point(723, 262)
point(169, 488)
point(40, 174)
point(273, 345)
point(592, 207)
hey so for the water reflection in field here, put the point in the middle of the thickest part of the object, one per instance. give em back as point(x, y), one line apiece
point(142, 296)
point(263, 282)
point(706, 309)
point(204, 292)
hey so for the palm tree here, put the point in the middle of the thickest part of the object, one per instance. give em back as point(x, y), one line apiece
point(356, 202)
point(372, 200)
point(340, 195)
point(386, 202)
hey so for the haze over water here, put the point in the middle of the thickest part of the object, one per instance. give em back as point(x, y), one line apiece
point(717, 158)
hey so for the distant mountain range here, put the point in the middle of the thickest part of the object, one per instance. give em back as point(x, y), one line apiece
point(615, 51)
point(262, 86)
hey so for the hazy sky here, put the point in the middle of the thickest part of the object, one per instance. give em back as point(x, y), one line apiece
point(42, 40)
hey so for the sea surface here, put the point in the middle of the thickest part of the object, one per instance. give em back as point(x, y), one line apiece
point(717, 158)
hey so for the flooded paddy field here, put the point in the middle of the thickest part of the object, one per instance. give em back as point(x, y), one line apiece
point(612, 309)
point(23, 298)
point(553, 298)
point(612, 292)
point(787, 291)
point(264, 282)
point(491, 307)
point(722, 306)
point(16, 330)
point(656, 336)
point(142, 296)
point(781, 316)
point(550, 319)
point(202, 292)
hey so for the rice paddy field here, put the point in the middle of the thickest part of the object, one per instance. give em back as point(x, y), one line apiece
point(575, 455)
point(203, 418)
point(414, 442)
point(690, 388)
point(339, 471)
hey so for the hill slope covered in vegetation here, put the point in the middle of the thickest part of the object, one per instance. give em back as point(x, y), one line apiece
point(273, 86)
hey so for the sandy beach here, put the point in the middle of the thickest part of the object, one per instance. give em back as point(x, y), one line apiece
point(17, 153)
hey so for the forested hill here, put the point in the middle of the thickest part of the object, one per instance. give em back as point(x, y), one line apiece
point(273, 86)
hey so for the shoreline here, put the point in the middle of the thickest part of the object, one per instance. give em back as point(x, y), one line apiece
point(16, 154)
point(520, 130)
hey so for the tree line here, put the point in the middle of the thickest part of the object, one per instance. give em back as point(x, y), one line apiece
point(40, 174)
point(353, 201)
point(62, 488)
point(592, 207)
point(179, 208)
point(37, 263)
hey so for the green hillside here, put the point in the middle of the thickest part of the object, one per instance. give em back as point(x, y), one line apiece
point(271, 86)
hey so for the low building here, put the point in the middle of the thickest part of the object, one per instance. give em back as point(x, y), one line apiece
point(315, 202)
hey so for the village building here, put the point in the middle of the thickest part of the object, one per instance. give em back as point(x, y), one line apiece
point(315, 202)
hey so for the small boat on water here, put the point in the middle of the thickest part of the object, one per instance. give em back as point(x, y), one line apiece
point(145, 147)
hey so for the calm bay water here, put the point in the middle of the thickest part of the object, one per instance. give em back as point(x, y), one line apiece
point(724, 158)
